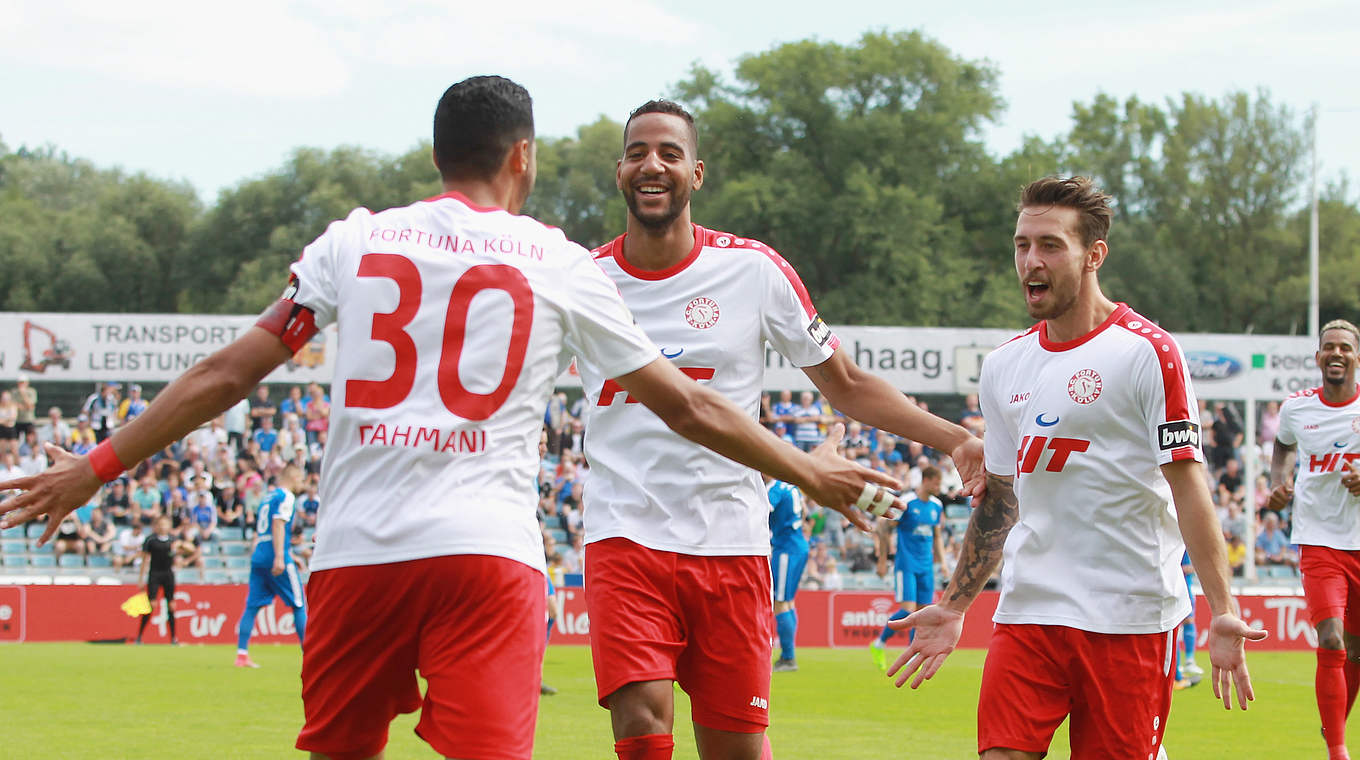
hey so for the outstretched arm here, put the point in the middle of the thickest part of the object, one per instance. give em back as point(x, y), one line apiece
point(938, 626)
point(1204, 540)
point(206, 390)
point(706, 417)
point(872, 400)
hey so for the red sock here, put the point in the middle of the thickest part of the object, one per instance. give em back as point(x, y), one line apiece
point(649, 747)
point(765, 752)
point(1352, 684)
point(1330, 685)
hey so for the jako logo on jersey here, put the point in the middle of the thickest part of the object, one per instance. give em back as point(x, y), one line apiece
point(1329, 462)
point(1210, 365)
point(1039, 420)
point(1085, 386)
point(702, 313)
point(1173, 435)
point(670, 355)
point(760, 702)
point(819, 331)
point(612, 388)
point(1032, 450)
point(1017, 398)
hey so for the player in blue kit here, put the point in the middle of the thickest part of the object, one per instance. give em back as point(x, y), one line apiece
point(918, 544)
point(272, 572)
point(788, 558)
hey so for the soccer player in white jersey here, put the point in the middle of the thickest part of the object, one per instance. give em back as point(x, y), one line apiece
point(455, 317)
point(1321, 426)
point(1092, 434)
point(677, 571)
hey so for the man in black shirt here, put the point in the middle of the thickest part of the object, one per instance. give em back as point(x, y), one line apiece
point(158, 574)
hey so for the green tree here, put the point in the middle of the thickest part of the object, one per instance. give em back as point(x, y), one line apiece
point(575, 189)
point(861, 164)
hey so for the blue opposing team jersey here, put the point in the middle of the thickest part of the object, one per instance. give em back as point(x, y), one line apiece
point(786, 518)
point(279, 506)
point(916, 532)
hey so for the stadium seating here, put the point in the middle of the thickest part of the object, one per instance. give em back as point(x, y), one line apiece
point(72, 560)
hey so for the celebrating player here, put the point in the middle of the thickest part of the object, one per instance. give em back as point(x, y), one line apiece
point(1323, 424)
point(272, 572)
point(1091, 420)
point(677, 574)
point(788, 559)
point(454, 318)
point(918, 546)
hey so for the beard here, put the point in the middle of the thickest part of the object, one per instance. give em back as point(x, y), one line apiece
point(1057, 304)
point(657, 221)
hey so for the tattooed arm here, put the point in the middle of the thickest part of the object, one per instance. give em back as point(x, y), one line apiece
point(939, 626)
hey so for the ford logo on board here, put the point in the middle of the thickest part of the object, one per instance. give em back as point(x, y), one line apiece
point(1210, 365)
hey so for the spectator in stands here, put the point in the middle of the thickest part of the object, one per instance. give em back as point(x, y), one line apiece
point(9, 424)
point(100, 532)
point(84, 437)
point(1227, 429)
point(782, 410)
point(261, 408)
point(572, 554)
point(951, 483)
point(573, 434)
point(127, 548)
point(318, 410)
point(295, 404)
point(205, 515)
point(101, 408)
point(234, 422)
point(189, 547)
point(265, 435)
point(856, 443)
point(1272, 545)
point(27, 399)
point(9, 466)
point(310, 504)
point(230, 511)
point(178, 509)
point(291, 434)
point(971, 416)
point(766, 411)
point(70, 538)
point(147, 498)
point(781, 430)
point(314, 451)
point(302, 547)
point(1237, 553)
point(116, 503)
point(32, 458)
point(831, 579)
point(131, 406)
point(1268, 426)
point(1230, 484)
point(210, 439)
point(55, 430)
point(807, 429)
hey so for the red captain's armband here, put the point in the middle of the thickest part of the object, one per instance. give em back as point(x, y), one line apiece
point(294, 323)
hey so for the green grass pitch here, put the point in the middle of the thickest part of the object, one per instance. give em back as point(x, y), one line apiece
point(109, 701)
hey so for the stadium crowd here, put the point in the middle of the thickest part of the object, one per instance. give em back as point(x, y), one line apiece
point(211, 483)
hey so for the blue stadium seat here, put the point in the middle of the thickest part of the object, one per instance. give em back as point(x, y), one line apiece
point(13, 546)
point(238, 576)
point(216, 576)
point(238, 563)
point(72, 560)
point(98, 560)
point(957, 512)
point(14, 560)
point(42, 560)
point(235, 548)
point(15, 532)
point(213, 563)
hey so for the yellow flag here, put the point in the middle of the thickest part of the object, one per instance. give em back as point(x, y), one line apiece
point(137, 605)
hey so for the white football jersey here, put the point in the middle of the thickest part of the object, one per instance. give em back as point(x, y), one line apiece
point(712, 315)
point(1084, 427)
point(453, 323)
point(1328, 439)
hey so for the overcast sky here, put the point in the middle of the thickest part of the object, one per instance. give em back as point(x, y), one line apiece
point(219, 93)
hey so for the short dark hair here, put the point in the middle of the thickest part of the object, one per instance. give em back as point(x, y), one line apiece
point(1079, 193)
point(476, 123)
point(667, 107)
point(1340, 324)
point(930, 473)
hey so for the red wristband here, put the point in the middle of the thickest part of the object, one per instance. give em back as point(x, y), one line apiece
point(107, 466)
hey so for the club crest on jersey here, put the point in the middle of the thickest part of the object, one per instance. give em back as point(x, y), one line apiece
point(819, 331)
point(702, 313)
point(1173, 435)
point(1085, 386)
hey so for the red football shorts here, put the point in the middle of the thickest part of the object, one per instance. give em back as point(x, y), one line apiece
point(1116, 687)
point(1331, 583)
point(471, 624)
point(706, 622)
